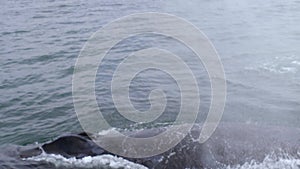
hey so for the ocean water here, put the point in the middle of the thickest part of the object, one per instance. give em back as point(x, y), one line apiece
point(257, 41)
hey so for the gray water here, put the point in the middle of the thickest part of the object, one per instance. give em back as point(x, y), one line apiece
point(257, 41)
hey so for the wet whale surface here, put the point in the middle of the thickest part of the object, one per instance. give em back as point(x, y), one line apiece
point(230, 145)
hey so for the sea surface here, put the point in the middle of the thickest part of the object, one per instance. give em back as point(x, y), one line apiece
point(257, 41)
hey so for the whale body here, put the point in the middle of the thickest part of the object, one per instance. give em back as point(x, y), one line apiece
point(231, 144)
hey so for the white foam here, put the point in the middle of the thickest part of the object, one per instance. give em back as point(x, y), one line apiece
point(271, 162)
point(296, 62)
point(278, 65)
point(111, 131)
point(102, 161)
point(287, 70)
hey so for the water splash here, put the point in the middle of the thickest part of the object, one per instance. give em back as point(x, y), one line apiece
point(271, 162)
point(102, 161)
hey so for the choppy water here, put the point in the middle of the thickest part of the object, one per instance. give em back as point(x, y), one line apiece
point(258, 42)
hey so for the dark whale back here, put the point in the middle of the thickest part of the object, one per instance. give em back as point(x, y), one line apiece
point(73, 146)
point(231, 144)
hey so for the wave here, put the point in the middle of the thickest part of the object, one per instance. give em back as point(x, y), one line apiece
point(101, 161)
point(271, 162)
point(114, 162)
point(279, 65)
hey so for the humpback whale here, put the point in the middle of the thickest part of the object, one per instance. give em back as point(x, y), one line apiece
point(231, 144)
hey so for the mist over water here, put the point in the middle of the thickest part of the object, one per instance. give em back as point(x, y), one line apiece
point(257, 41)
